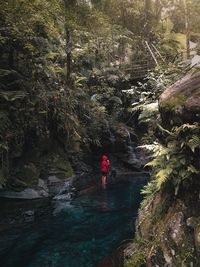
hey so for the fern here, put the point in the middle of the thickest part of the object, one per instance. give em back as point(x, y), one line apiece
point(194, 142)
point(152, 163)
point(148, 191)
point(12, 96)
point(192, 169)
point(162, 176)
point(173, 161)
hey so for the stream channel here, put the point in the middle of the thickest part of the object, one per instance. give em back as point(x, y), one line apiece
point(77, 233)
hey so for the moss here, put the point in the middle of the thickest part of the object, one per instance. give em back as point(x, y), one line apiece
point(58, 161)
point(185, 252)
point(29, 174)
point(141, 250)
point(175, 101)
point(178, 100)
point(137, 260)
point(64, 166)
point(137, 257)
point(196, 91)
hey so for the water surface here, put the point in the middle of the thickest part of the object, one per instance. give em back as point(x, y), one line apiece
point(79, 233)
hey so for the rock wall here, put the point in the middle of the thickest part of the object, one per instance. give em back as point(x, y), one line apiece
point(168, 226)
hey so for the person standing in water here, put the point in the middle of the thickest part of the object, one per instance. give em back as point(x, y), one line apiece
point(104, 168)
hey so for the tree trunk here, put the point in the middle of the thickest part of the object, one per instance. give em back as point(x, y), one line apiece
point(69, 56)
point(187, 30)
point(68, 39)
point(147, 12)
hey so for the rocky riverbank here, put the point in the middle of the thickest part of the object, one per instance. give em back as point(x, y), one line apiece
point(167, 231)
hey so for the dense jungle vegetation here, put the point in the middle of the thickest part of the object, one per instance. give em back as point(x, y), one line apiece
point(67, 68)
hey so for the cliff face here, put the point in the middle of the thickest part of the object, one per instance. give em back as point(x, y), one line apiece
point(168, 226)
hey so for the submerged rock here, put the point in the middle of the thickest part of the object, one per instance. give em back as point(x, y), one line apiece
point(29, 215)
point(67, 196)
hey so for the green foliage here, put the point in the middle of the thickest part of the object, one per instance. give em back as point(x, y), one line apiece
point(12, 96)
point(63, 65)
point(137, 260)
point(175, 162)
point(148, 191)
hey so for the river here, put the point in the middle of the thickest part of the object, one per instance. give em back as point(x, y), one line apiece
point(77, 233)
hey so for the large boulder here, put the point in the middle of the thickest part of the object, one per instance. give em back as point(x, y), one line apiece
point(180, 103)
point(27, 193)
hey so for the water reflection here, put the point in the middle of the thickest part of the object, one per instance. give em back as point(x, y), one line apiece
point(77, 233)
point(104, 201)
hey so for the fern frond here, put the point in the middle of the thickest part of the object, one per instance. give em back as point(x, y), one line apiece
point(192, 169)
point(165, 130)
point(152, 163)
point(149, 189)
point(194, 142)
point(162, 176)
point(12, 96)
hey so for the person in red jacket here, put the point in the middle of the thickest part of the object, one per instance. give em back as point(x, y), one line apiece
point(104, 168)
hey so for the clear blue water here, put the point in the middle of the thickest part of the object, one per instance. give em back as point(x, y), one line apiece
point(76, 234)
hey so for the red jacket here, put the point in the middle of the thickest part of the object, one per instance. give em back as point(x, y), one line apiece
point(105, 163)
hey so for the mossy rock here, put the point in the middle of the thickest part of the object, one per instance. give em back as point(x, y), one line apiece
point(29, 174)
point(64, 166)
point(180, 103)
point(57, 161)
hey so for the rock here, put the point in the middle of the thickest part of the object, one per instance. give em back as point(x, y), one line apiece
point(180, 103)
point(194, 222)
point(54, 185)
point(116, 137)
point(42, 186)
point(29, 213)
point(119, 139)
point(53, 179)
point(58, 186)
point(145, 216)
point(63, 166)
point(29, 174)
point(81, 162)
point(130, 159)
point(28, 193)
point(64, 197)
point(164, 234)
point(122, 137)
point(195, 60)
point(67, 191)
point(43, 193)
point(18, 185)
point(175, 225)
point(144, 153)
